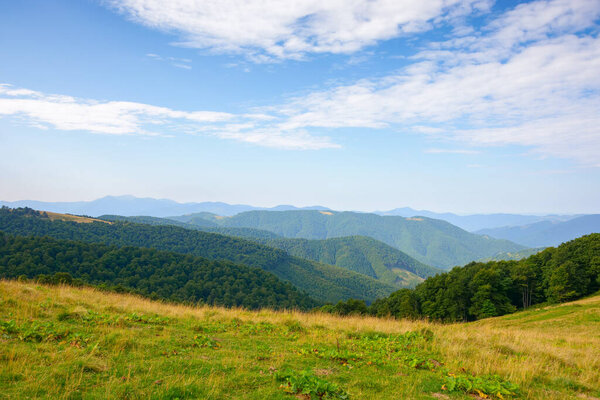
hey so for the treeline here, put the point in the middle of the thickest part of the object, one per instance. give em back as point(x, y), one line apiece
point(481, 290)
point(152, 273)
point(322, 282)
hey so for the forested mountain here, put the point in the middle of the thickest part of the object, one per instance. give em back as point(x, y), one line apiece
point(196, 224)
point(149, 272)
point(430, 241)
point(320, 281)
point(361, 254)
point(475, 222)
point(480, 290)
point(547, 233)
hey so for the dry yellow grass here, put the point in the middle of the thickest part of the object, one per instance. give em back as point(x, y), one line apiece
point(75, 218)
point(551, 353)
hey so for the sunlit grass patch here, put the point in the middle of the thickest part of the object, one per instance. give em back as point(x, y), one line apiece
point(62, 342)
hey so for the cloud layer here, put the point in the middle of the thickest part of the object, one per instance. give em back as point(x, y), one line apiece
point(529, 77)
point(128, 118)
point(273, 29)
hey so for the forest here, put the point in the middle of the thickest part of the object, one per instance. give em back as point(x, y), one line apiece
point(148, 272)
point(481, 290)
point(322, 282)
point(475, 291)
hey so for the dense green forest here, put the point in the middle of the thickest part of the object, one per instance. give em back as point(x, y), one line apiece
point(322, 282)
point(433, 242)
point(149, 272)
point(480, 290)
point(247, 233)
point(361, 254)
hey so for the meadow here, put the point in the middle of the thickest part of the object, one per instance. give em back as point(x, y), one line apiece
point(62, 342)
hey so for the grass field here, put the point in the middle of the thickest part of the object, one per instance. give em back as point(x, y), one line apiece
point(74, 218)
point(68, 343)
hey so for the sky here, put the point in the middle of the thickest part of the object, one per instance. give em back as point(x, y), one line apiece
point(468, 106)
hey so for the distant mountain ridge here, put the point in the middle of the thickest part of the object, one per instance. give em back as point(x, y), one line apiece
point(430, 241)
point(475, 222)
point(132, 206)
point(547, 233)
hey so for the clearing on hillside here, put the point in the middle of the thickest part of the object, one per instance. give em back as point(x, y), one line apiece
point(75, 218)
point(71, 343)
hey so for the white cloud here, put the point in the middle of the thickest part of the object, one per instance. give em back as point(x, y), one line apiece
point(272, 29)
point(184, 63)
point(129, 118)
point(451, 151)
point(529, 78)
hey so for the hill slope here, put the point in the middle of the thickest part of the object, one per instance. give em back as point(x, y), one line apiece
point(430, 241)
point(547, 233)
point(106, 345)
point(360, 254)
point(152, 273)
point(322, 282)
point(481, 290)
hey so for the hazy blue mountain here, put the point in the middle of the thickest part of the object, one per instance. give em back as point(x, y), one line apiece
point(477, 222)
point(431, 241)
point(547, 233)
point(131, 206)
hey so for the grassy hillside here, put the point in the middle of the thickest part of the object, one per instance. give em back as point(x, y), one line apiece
point(361, 254)
point(547, 233)
point(433, 242)
point(67, 343)
point(321, 281)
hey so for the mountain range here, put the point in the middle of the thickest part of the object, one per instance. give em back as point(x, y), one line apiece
point(323, 282)
point(360, 254)
point(547, 233)
point(430, 241)
point(130, 206)
point(133, 206)
point(475, 222)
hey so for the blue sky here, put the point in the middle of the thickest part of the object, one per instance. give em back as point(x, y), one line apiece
point(457, 105)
